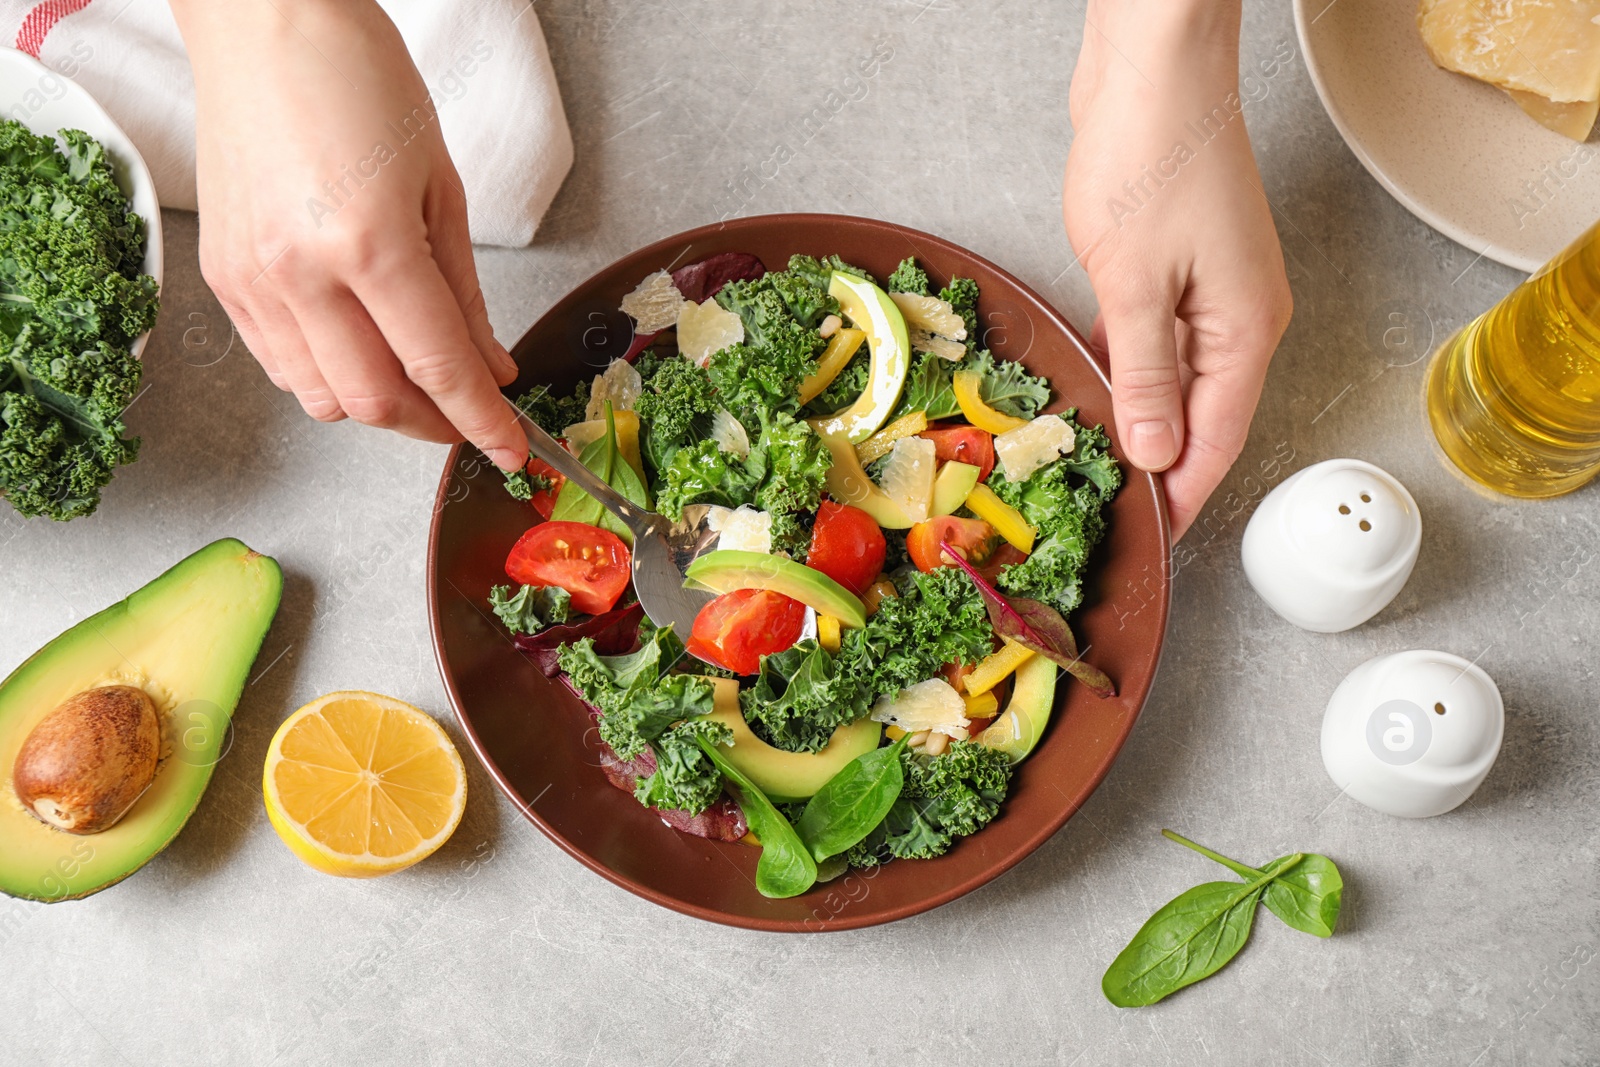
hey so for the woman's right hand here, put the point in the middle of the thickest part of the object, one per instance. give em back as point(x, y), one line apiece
point(333, 225)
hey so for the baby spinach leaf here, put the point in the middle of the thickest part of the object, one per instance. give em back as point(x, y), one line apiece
point(604, 457)
point(1191, 937)
point(1306, 897)
point(786, 868)
point(853, 802)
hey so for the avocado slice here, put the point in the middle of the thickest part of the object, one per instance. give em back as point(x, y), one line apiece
point(727, 569)
point(869, 308)
point(952, 486)
point(1033, 697)
point(782, 775)
point(188, 640)
point(847, 483)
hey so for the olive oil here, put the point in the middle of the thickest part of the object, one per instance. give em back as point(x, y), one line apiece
point(1514, 397)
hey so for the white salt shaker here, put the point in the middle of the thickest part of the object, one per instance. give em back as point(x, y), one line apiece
point(1413, 733)
point(1330, 547)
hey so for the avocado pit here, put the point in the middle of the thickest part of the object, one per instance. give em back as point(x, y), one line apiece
point(90, 759)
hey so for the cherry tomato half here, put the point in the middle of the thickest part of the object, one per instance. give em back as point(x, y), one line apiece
point(847, 546)
point(590, 563)
point(964, 444)
point(973, 538)
point(1003, 556)
point(736, 629)
point(544, 501)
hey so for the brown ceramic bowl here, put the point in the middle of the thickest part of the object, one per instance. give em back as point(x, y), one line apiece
point(535, 738)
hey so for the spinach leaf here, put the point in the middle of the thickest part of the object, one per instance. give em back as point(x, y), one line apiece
point(785, 869)
point(604, 457)
point(1191, 937)
point(1306, 897)
point(853, 802)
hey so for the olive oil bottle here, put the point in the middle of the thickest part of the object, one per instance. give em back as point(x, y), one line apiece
point(1514, 397)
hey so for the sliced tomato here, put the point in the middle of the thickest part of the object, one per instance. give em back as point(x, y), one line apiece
point(1002, 557)
point(964, 444)
point(973, 538)
point(847, 546)
point(736, 629)
point(590, 563)
point(544, 501)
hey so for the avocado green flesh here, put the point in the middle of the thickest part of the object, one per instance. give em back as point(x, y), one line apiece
point(869, 308)
point(1033, 697)
point(847, 483)
point(955, 483)
point(726, 570)
point(188, 639)
point(783, 775)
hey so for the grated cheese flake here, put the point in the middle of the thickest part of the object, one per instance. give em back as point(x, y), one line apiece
point(653, 305)
point(1029, 447)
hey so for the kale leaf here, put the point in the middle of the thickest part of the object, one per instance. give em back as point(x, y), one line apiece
point(944, 798)
point(532, 608)
point(685, 778)
point(636, 694)
point(796, 462)
point(675, 406)
point(962, 296)
point(938, 618)
point(909, 278)
point(1064, 502)
point(72, 299)
point(800, 697)
point(819, 272)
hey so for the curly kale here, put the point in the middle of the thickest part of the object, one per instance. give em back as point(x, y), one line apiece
point(800, 697)
point(944, 798)
point(1005, 385)
point(909, 278)
point(72, 299)
point(1064, 502)
point(637, 694)
point(820, 271)
point(551, 413)
point(702, 473)
point(685, 778)
point(675, 406)
point(796, 462)
point(531, 608)
point(938, 618)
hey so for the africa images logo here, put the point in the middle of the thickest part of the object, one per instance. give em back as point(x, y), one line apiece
point(1398, 732)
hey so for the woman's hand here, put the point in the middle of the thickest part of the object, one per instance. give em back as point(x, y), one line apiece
point(1164, 206)
point(333, 226)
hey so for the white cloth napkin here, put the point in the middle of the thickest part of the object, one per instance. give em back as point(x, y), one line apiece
point(485, 62)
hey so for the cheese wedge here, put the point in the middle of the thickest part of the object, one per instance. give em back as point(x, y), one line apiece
point(1569, 120)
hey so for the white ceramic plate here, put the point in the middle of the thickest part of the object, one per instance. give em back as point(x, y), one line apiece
point(45, 102)
point(1456, 152)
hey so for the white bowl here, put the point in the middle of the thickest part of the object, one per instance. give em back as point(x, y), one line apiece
point(45, 102)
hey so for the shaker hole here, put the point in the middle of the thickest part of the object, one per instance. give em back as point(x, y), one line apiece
point(1438, 709)
point(1365, 499)
point(1365, 526)
point(1344, 509)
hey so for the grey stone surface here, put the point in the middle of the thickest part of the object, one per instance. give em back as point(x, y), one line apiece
point(1463, 936)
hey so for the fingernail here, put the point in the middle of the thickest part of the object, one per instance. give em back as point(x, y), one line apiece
point(504, 458)
point(1152, 444)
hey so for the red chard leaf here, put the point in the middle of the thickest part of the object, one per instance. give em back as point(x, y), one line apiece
point(615, 632)
point(1034, 625)
point(703, 280)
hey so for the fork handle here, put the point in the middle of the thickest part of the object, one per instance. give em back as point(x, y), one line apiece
point(548, 449)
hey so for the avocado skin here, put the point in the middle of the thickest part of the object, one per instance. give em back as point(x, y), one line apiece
point(189, 637)
point(1017, 729)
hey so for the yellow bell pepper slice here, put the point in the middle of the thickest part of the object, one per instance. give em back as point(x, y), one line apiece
point(982, 705)
point(997, 666)
point(828, 632)
point(881, 443)
point(893, 733)
point(1006, 520)
point(841, 347)
point(969, 395)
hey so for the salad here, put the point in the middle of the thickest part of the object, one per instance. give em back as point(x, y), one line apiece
point(901, 533)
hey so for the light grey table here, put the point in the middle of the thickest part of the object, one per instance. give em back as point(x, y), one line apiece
point(1466, 940)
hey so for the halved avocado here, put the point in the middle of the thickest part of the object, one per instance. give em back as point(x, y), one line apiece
point(869, 308)
point(727, 569)
point(785, 775)
point(847, 483)
point(1033, 697)
point(187, 639)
